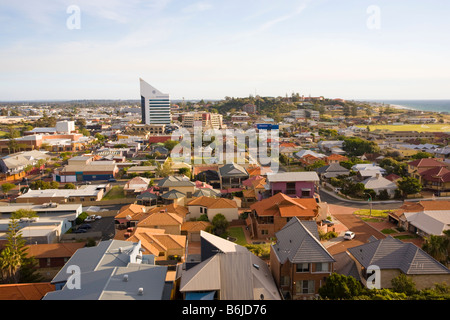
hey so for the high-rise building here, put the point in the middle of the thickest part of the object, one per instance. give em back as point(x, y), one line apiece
point(155, 105)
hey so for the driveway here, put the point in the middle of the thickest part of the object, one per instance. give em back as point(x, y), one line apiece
point(362, 230)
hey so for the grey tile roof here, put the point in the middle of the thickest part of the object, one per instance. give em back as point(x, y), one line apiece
point(175, 181)
point(173, 194)
point(233, 170)
point(298, 242)
point(391, 253)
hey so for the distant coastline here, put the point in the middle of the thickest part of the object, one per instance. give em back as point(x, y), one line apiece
point(420, 105)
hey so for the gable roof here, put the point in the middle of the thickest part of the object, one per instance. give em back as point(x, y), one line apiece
point(233, 170)
point(298, 242)
point(155, 241)
point(161, 219)
point(431, 222)
point(378, 183)
point(213, 203)
point(426, 162)
point(173, 194)
point(436, 174)
point(391, 253)
point(175, 181)
point(285, 206)
point(135, 211)
point(193, 226)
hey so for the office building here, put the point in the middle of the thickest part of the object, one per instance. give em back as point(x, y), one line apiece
point(155, 105)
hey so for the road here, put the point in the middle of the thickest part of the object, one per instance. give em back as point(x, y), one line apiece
point(325, 197)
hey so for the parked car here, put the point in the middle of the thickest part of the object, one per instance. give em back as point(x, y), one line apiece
point(80, 231)
point(328, 222)
point(349, 235)
point(112, 180)
point(85, 226)
point(89, 219)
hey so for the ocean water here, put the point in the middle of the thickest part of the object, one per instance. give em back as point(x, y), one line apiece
point(422, 105)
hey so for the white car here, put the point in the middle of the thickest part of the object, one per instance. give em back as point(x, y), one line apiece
point(92, 218)
point(349, 235)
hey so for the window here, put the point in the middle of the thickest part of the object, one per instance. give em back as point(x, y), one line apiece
point(264, 232)
point(48, 262)
point(322, 267)
point(306, 192)
point(201, 209)
point(305, 287)
point(302, 267)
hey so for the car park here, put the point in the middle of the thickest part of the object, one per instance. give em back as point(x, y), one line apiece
point(349, 235)
point(80, 231)
point(85, 226)
point(89, 219)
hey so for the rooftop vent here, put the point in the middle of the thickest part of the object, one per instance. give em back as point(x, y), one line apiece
point(141, 291)
point(125, 278)
point(256, 266)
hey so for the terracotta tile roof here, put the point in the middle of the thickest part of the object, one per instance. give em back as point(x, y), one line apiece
point(436, 174)
point(132, 210)
point(285, 206)
point(25, 291)
point(428, 205)
point(182, 211)
point(426, 162)
point(213, 203)
point(54, 250)
point(154, 241)
point(193, 226)
point(337, 157)
point(161, 219)
point(393, 177)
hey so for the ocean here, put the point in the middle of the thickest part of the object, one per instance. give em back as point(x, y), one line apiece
point(422, 105)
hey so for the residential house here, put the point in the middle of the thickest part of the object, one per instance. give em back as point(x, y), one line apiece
point(13, 166)
point(231, 176)
point(436, 179)
point(136, 185)
point(226, 271)
point(429, 217)
point(332, 170)
point(294, 184)
point(416, 167)
point(395, 257)
point(211, 207)
point(163, 246)
point(335, 158)
point(130, 215)
point(180, 183)
point(367, 170)
point(379, 183)
point(299, 263)
point(53, 256)
point(270, 215)
point(81, 194)
point(162, 219)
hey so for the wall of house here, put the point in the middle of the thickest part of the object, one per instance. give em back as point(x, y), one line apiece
point(229, 213)
point(299, 185)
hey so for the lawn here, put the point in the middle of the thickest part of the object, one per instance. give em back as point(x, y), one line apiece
point(433, 127)
point(371, 219)
point(406, 236)
point(388, 231)
point(116, 192)
point(238, 233)
point(375, 213)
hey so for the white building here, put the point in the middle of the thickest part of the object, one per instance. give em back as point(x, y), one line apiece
point(155, 105)
point(65, 126)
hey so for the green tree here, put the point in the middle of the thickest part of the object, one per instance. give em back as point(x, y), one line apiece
point(69, 186)
point(355, 146)
point(7, 187)
point(438, 247)
point(220, 224)
point(12, 256)
point(339, 287)
point(409, 185)
point(403, 284)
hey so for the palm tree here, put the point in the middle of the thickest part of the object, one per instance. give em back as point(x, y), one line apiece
point(437, 247)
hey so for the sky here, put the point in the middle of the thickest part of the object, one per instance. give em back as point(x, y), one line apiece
point(351, 49)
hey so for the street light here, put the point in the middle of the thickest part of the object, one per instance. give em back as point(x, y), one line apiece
point(370, 203)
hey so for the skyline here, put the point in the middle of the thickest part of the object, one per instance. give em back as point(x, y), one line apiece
point(209, 49)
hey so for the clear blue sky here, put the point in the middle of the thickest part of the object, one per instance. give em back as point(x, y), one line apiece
point(211, 49)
